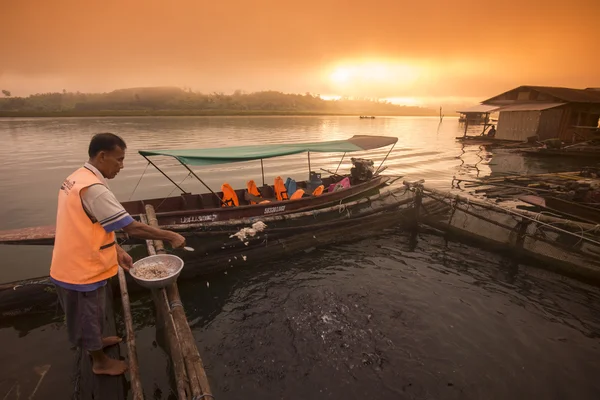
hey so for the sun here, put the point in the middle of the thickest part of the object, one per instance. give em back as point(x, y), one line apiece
point(341, 75)
point(360, 74)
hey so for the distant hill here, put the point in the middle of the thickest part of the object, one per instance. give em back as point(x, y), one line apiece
point(176, 101)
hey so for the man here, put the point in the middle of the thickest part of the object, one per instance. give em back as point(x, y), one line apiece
point(85, 253)
point(492, 132)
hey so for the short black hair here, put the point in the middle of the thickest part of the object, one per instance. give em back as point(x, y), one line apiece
point(105, 142)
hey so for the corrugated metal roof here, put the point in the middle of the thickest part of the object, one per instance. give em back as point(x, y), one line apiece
point(530, 106)
point(570, 95)
point(479, 108)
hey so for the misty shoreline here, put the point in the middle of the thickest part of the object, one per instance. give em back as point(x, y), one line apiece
point(172, 102)
point(195, 113)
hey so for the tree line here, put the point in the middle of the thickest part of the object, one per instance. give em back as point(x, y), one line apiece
point(176, 101)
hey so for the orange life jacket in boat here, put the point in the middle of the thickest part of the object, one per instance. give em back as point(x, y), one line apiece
point(280, 191)
point(253, 190)
point(297, 194)
point(230, 198)
point(318, 190)
point(83, 252)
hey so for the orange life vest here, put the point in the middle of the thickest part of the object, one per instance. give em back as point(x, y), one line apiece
point(280, 190)
point(297, 194)
point(230, 198)
point(253, 190)
point(318, 191)
point(83, 252)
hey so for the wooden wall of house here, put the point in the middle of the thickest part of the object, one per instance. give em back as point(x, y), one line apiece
point(549, 123)
point(517, 125)
point(577, 115)
point(564, 132)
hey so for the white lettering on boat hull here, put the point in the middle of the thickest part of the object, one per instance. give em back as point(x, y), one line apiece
point(271, 210)
point(198, 218)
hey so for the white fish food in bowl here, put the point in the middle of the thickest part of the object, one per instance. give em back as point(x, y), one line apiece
point(156, 272)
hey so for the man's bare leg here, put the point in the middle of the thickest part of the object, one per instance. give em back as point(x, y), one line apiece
point(110, 341)
point(104, 365)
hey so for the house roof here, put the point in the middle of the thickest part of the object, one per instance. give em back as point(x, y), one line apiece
point(479, 108)
point(569, 95)
point(530, 106)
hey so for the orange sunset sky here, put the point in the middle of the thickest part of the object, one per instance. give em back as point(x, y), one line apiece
point(416, 52)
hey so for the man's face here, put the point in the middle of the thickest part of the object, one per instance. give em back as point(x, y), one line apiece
point(111, 162)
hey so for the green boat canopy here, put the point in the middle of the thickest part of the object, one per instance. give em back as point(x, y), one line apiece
point(222, 155)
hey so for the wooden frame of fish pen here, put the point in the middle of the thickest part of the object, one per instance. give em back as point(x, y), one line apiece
point(568, 247)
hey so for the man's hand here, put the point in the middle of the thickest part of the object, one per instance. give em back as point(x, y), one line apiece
point(177, 240)
point(124, 259)
point(143, 231)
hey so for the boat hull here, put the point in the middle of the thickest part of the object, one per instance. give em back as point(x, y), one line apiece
point(186, 217)
point(306, 228)
point(215, 219)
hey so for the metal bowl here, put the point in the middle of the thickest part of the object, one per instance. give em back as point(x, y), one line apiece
point(173, 263)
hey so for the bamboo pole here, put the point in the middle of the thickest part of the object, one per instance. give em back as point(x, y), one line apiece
point(522, 188)
point(162, 308)
point(570, 175)
point(187, 346)
point(181, 379)
point(134, 369)
point(198, 381)
point(149, 242)
point(193, 362)
point(153, 221)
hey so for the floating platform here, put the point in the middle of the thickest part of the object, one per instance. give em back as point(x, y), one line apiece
point(89, 386)
point(571, 248)
point(488, 141)
point(540, 152)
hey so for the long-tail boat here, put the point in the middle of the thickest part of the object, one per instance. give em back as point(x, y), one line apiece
point(210, 211)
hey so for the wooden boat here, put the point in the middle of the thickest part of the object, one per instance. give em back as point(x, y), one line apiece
point(568, 247)
point(542, 152)
point(215, 251)
point(207, 211)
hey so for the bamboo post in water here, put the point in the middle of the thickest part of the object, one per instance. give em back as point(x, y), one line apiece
point(134, 370)
point(162, 309)
point(153, 221)
point(149, 242)
point(193, 362)
point(181, 379)
point(197, 378)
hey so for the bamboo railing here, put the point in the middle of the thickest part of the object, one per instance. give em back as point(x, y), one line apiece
point(191, 379)
point(134, 370)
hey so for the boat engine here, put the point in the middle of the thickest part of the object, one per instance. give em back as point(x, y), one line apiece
point(362, 170)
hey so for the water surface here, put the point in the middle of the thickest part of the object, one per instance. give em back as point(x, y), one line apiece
point(387, 317)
